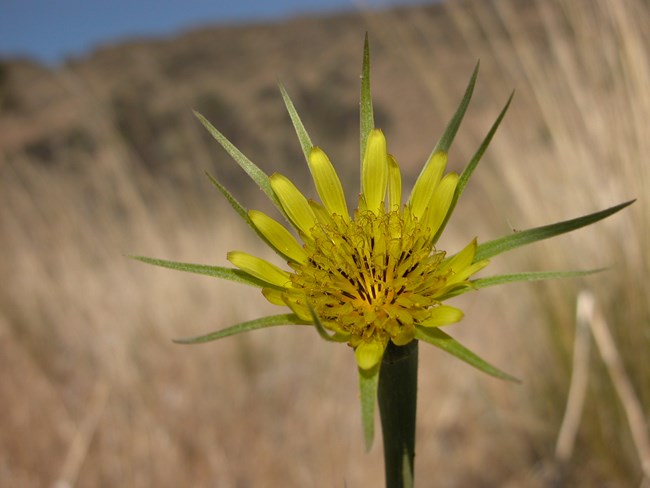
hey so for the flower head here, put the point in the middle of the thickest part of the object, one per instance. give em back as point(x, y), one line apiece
point(375, 275)
point(372, 277)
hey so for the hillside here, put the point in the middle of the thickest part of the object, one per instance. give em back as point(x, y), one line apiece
point(138, 96)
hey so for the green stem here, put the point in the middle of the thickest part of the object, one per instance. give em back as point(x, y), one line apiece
point(397, 397)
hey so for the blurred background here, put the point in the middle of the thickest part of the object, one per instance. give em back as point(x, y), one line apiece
point(101, 157)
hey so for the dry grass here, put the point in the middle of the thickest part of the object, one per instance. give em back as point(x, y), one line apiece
point(95, 394)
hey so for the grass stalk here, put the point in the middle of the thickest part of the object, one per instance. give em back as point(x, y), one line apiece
point(624, 389)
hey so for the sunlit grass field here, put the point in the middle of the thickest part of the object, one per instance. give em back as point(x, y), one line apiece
point(94, 393)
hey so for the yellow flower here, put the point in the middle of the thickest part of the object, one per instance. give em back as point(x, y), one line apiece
point(373, 277)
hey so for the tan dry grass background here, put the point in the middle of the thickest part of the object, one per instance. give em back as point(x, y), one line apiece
point(95, 394)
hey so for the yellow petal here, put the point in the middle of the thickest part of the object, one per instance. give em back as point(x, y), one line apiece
point(463, 274)
point(404, 336)
point(461, 259)
point(278, 236)
point(259, 268)
point(427, 182)
point(394, 184)
point(294, 203)
point(327, 183)
point(274, 296)
point(462, 265)
point(374, 177)
point(443, 315)
point(440, 202)
point(323, 216)
point(296, 302)
point(369, 354)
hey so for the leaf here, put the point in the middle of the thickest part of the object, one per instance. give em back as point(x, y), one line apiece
point(231, 274)
point(469, 169)
point(366, 116)
point(511, 241)
point(368, 382)
point(531, 276)
point(301, 132)
point(471, 166)
point(443, 145)
point(243, 213)
point(321, 329)
point(452, 127)
point(448, 344)
point(261, 323)
point(256, 174)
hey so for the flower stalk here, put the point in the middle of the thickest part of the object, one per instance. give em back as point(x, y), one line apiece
point(397, 398)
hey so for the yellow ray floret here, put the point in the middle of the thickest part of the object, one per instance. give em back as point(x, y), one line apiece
point(374, 171)
point(259, 268)
point(327, 183)
point(427, 183)
point(294, 203)
point(278, 236)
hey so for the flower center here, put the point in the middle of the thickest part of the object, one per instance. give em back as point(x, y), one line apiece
point(373, 277)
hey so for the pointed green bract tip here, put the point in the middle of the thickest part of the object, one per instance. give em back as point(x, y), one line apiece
point(366, 115)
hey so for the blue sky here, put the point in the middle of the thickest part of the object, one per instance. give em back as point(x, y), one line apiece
point(51, 30)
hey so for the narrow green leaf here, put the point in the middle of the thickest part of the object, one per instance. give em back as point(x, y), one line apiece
point(448, 344)
point(261, 323)
point(531, 276)
point(366, 116)
point(474, 285)
point(301, 132)
point(231, 274)
point(467, 172)
point(368, 382)
point(243, 213)
point(458, 290)
point(256, 174)
point(452, 127)
point(321, 329)
point(521, 238)
point(471, 166)
point(445, 141)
